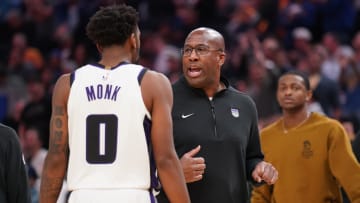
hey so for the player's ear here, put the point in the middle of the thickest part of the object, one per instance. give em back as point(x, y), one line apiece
point(133, 41)
point(99, 48)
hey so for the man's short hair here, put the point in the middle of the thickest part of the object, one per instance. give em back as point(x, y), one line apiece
point(112, 25)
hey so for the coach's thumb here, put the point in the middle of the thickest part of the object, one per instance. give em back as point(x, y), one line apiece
point(194, 151)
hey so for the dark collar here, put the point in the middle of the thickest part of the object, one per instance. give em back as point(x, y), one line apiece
point(200, 91)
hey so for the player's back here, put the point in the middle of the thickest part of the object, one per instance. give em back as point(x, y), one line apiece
point(109, 135)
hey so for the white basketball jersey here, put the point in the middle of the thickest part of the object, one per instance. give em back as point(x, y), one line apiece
point(109, 130)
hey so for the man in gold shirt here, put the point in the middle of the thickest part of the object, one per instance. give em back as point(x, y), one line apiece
point(311, 152)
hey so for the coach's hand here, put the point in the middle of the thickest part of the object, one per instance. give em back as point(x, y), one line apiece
point(193, 167)
point(266, 172)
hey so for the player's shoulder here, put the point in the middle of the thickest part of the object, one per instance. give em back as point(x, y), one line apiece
point(62, 88)
point(154, 73)
point(154, 77)
point(63, 79)
point(324, 120)
point(269, 129)
point(142, 72)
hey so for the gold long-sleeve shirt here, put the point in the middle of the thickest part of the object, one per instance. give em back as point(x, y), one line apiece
point(313, 160)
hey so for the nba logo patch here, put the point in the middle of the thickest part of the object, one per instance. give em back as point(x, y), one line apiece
point(235, 112)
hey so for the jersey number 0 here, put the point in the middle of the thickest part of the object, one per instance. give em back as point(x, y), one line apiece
point(101, 139)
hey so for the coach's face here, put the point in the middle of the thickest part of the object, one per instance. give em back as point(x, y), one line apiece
point(202, 59)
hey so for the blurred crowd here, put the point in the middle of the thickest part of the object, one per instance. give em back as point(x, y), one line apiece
point(42, 39)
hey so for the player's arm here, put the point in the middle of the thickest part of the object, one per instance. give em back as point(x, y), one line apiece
point(158, 96)
point(343, 163)
point(56, 160)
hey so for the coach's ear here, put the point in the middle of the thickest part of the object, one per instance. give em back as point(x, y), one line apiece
point(221, 58)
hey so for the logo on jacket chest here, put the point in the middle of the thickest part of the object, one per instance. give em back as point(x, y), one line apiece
point(235, 112)
point(183, 116)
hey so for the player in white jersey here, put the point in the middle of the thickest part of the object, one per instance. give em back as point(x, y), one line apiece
point(111, 127)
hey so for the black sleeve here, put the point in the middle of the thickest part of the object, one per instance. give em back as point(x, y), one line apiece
point(16, 175)
point(253, 151)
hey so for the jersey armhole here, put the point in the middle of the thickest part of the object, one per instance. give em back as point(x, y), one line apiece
point(72, 78)
point(141, 75)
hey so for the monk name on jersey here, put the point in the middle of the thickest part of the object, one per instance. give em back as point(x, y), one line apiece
point(101, 91)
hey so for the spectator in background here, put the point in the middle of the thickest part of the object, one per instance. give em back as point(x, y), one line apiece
point(243, 18)
point(240, 52)
point(338, 16)
point(79, 57)
point(324, 90)
point(15, 60)
point(37, 110)
point(350, 78)
point(294, 14)
point(33, 179)
point(174, 66)
point(267, 54)
point(356, 46)
point(330, 66)
point(65, 42)
point(12, 90)
point(163, 52)
point(15, 22)
point(34, 152)
point(268, 11)
point(14, 186)
point(13, 119)
point(261, 85)
point(302, 46)
point(40, 14)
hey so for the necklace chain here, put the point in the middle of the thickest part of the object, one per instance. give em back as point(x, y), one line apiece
point(298, 125)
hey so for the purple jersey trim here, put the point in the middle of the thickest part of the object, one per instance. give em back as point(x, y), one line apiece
point(154, 184)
